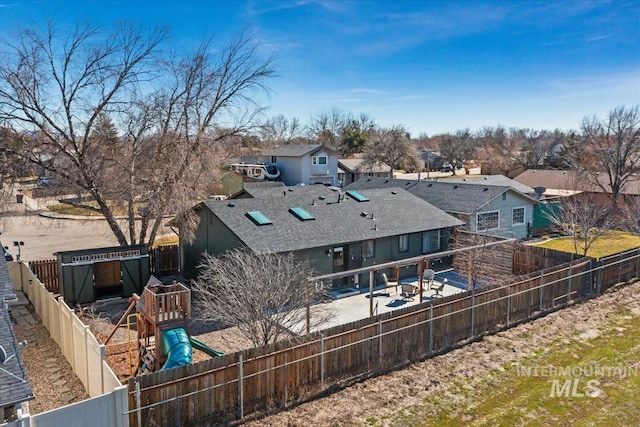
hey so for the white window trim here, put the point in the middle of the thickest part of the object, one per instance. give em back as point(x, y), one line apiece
point(524, 215)
point(484, 213)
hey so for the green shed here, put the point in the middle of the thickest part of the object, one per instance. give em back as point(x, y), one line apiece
point(88, 275)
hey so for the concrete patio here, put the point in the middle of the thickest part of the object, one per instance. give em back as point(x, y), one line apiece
point(356, 307)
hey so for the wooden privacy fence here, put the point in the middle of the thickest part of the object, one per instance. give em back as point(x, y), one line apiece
point(528, 258)
point(618, 268)
point(47, 272)
point(228, 388)
point(165, 261)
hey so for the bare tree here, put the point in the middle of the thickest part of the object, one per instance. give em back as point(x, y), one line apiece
point(458, 147)
point(583, 220)
point(611, 147)
point(63, 88)
point(266, 296)
point(631, 215)
point(393, 147)
point(533, 146)
point(278, 130)
point(326, 127)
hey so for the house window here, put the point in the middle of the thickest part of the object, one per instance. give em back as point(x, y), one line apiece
point(518, 216)
point(319, 160)
point(430, 241)
point(403, 243)
point(368, 249)
point(488, 221)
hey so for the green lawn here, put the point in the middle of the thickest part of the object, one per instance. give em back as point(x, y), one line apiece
point(512, 398)
point(610, 243)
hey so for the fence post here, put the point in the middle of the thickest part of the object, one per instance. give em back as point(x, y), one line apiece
point(599, 277)
point(240, 391)
point(508, 303)
point(103, 359)
point(86, 356)
point(321, 359)
point(541, 289)
point(138, 405)
point(431, 328)
point(473, 311)
point(178, 412)
point(286, 379)
point(619, 268)
point(379, 341)
point(569, 284)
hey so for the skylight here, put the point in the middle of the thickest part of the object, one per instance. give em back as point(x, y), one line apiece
point(301, 214)
point(357, 196)
point(259, 218)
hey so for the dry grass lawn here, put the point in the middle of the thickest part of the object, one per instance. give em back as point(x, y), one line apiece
point(610, 243)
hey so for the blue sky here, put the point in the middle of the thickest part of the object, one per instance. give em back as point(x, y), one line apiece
point(429, 65)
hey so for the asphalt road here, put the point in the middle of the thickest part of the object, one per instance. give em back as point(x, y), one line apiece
point(43, 236)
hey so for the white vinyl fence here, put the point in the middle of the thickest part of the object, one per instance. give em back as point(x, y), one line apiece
point(85, 354)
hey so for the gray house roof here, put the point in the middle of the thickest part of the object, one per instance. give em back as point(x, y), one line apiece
point(7, 293)
point(14, 383)
point(451, 197)
point(294, 150)
point(500, 180)
point(355, 165)
point(394, 212)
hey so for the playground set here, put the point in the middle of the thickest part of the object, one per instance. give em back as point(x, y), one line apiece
point(162, 317)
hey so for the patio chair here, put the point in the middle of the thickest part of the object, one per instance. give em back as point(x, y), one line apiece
point(389, 283)
point(427, 278)
point(438, 288)
point(408, 292)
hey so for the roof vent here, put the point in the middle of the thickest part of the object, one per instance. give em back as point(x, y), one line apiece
point(321, 197)
point(394, 192)
point(231, 204)
point(455, 186)
point(485, 189)
point(364, 214)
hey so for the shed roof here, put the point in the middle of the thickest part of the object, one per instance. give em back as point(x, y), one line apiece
point(394, 212)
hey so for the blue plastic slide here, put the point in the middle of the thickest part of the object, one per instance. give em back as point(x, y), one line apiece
point(176, 345)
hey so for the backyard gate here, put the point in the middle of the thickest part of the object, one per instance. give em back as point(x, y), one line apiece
point(91, 274)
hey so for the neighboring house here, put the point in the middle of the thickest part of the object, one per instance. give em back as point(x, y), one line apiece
point(15, 387)
point(560, 183)
point(304, 164)
point(490, 209)
point(432, 160)
point(336, 231)
point(351, 169)
point(499, 180)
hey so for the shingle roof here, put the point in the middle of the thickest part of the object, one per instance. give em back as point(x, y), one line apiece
point(395, 212)
point(491, 180)
point(355, 165)
point(450, 197)
point(569, 180)
point(7, 292)
point(293, 150)
point(14, 383)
